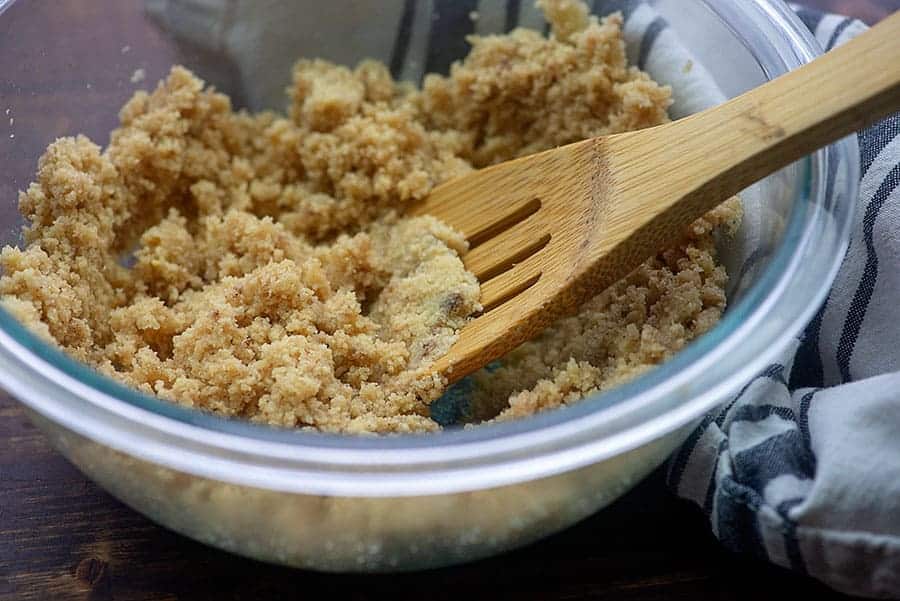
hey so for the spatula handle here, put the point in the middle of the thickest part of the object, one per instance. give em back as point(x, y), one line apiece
point(715, 154)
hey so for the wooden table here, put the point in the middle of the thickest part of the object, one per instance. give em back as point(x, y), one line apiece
point(61, 537)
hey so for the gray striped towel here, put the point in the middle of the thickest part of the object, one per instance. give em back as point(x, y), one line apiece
point(803, 466)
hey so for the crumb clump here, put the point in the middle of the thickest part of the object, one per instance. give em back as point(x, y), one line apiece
point(260, 266)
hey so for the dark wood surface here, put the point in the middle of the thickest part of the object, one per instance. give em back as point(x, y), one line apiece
point(62, 537)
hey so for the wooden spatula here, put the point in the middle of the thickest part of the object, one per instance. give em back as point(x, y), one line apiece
point(549, 231)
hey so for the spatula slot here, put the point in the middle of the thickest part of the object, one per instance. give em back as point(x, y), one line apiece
point(520, 214)
point(509, 294)
point(487, 273)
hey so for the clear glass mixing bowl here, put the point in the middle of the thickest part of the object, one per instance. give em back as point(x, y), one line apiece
point(373, 504)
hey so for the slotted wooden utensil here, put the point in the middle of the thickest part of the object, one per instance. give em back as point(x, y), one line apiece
point(549, 231)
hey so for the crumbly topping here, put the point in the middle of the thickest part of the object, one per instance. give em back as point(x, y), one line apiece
point(260, 266)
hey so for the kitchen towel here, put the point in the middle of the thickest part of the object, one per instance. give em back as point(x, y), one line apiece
point(803, 466)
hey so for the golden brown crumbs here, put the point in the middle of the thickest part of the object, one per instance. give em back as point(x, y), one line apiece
point(272, 274)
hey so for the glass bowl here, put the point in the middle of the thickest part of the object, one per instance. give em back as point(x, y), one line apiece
point(342, 503)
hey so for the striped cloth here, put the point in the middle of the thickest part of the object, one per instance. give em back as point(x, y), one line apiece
point(803, 466)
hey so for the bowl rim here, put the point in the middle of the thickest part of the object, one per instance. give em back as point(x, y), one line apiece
point(603, 425)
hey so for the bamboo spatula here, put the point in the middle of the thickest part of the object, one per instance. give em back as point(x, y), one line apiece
point(551, 230)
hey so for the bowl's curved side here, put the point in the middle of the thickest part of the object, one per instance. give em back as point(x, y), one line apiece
point(210, 478)
point(358, 534)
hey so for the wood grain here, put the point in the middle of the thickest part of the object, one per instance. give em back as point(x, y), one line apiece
point(62, 538)
point(603, 206)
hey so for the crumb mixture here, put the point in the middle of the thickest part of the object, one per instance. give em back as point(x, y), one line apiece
point(260, 266)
